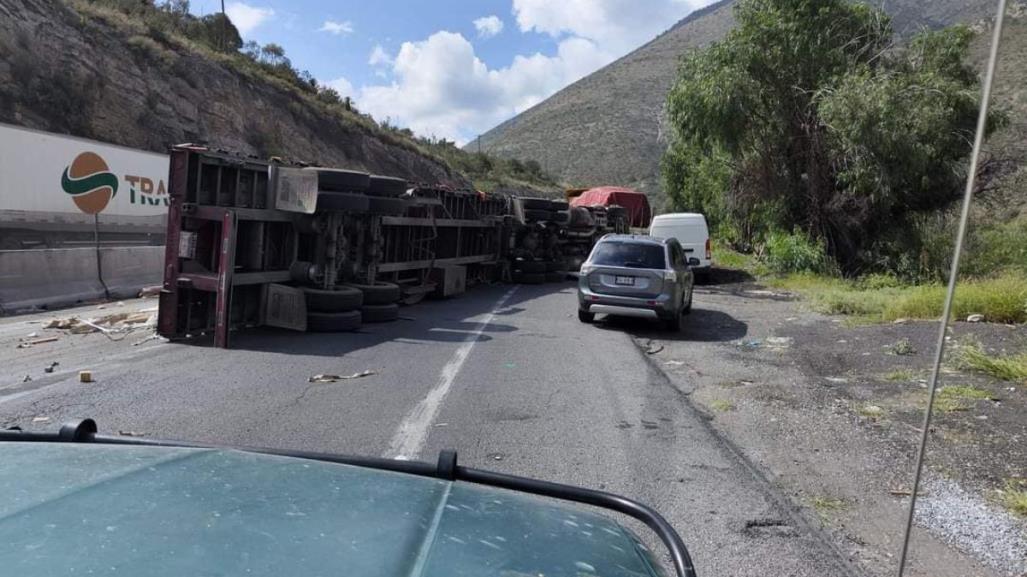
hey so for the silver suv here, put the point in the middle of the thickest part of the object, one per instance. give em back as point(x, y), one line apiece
point(636, 276)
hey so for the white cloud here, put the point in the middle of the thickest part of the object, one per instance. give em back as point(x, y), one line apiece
point(342, 86)
point(619, 25)
point(442, 88)
point(246, 17)
point(488, 26)
point(337, 28)
point(379, 57)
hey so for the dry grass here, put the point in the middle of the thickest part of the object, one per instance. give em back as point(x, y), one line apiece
point(721, 405)
point(971, 356)
point(1014, 496)
point(1002, 299)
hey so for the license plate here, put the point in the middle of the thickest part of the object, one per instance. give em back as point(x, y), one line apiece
point(624, 280)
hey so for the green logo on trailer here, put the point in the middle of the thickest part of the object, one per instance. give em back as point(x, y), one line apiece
point(90, 182)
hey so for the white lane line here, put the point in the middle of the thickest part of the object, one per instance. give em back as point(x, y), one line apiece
point(410, 437)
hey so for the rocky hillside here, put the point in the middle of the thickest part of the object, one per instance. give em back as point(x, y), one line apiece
point(89, 70)
point(608, 128)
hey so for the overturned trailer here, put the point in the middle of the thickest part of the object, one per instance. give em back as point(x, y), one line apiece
point(256, 243)
point(253, 243)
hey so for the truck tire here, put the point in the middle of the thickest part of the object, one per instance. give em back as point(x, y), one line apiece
point(333, 322)
point(562, 217)
point(581, 217)
point(559, 205)
point(380, 293)
point(529, 266)
point(383, 205)
point(529, 277)
point(299, 271)
point(342, 201)
point(386, 186)
point(536, 204)
point(333, 301)
point(380, 313)
point(534, 215)
point(341, 180)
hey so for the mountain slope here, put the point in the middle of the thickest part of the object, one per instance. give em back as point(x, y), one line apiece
point(607, 128)
point(91, 70)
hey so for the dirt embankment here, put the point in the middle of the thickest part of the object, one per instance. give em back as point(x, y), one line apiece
point(68, 71)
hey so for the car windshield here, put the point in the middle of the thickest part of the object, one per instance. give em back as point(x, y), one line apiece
point(630, 254)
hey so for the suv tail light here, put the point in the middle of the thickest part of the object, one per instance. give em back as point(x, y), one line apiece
point(709, 253)
point(670, 276)
point(585, 269)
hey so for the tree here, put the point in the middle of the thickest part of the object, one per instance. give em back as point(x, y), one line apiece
point(807, 116)
point(272, 54)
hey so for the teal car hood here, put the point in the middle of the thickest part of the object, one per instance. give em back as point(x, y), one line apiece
point(79, 509)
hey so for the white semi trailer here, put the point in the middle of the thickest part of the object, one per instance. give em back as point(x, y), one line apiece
point(63, 191)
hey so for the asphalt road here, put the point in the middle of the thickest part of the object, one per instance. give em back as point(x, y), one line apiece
point(505, 375)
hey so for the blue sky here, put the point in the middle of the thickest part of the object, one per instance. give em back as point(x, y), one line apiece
point(451, 68)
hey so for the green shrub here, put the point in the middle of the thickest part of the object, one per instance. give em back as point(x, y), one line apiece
point(795, 252)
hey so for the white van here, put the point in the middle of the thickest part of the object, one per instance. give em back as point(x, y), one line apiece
point(691, 232)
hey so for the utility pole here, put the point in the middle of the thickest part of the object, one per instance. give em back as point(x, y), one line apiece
point(479, 144)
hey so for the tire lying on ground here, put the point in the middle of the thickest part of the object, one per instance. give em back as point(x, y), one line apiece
point(381, 205)
point(380, 293)
point(341, 180)
point(555, 276)
point(379, 313)
point(536, 204)
point(534, 215)
point(333, 322)
point(529, 277)
point(333, 301)
point(386, 186)
point(529, 266)
point(342, 201)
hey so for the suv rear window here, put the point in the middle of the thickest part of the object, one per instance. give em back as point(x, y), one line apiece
point(629, 254)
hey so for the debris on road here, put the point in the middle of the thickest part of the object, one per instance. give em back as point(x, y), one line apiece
point(40, 419)
point(673, 363)
point(779, 342)
point(85, 376)
point(975, 318)
point(150, 291)
point(26, 378)
point(114, 323)
point(652, 348)
point(749, 345)
point(34, 342)
point(131, 434)
point(324, 378)
point(50, 368)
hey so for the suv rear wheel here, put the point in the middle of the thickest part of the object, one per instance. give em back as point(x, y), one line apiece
point(585, 316)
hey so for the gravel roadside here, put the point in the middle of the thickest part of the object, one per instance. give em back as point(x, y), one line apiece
point(816, 406)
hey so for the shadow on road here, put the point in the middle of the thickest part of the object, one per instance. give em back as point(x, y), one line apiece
point(428, 322)
point(703, 325)
point(721, 276)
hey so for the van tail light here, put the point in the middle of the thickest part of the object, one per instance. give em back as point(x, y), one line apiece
point(709, 253)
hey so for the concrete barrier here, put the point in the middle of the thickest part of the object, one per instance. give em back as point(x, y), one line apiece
point(125, 270)
point(52, 278)
point(48, 278)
